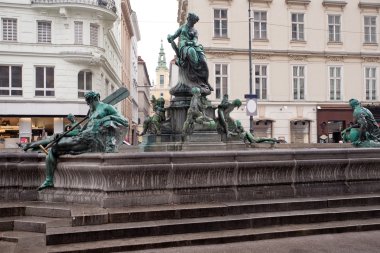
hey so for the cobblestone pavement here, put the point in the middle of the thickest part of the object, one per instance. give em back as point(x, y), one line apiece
point(359, 242)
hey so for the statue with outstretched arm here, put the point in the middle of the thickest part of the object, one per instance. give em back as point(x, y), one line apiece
point(104, 132)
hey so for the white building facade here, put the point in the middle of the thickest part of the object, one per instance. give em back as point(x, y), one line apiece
point(51, 53)
point(308, 59)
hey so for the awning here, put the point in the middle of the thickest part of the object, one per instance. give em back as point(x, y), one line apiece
point(263, 119)
point(296, 120)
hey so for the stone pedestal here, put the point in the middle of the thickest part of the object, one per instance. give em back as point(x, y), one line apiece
point(124, 179)
point(203, 137)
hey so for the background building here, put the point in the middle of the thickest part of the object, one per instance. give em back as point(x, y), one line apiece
point(162, 84)
point(50, 55)
point(144, 86)
point(52, 52)
point(130, 36)
point(309, 59)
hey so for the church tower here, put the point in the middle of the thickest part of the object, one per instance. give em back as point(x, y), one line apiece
point(161, 86)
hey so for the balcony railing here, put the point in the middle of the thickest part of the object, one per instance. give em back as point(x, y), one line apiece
point(107, 4)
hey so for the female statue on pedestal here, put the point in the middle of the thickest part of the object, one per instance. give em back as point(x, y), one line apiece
point(193, 70)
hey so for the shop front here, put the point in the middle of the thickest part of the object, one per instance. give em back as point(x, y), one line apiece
point(331, 121)
point(15, 130)
point(24, 121)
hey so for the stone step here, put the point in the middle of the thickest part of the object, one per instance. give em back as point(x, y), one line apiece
point(205, 224)
point(48, 211)
point(216, 237)
point(30, 242)
point(138, 214)
point(7, 247)
point(6, 223)
point(11, 209)
point(39, 224)
point(16, 236)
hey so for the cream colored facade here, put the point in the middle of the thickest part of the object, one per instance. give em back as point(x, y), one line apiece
point(51, 53)
point(145, 108)
point(305, 55)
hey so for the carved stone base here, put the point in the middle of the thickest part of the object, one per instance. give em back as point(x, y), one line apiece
point(111, 180)
point(202, 137)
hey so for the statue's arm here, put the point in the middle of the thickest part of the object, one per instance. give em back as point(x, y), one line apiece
point(175, 35)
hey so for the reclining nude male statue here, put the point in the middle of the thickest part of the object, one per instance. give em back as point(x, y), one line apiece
point(103, 132)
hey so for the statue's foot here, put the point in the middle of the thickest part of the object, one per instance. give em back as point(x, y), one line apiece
point(25, 147)
point(46, 184)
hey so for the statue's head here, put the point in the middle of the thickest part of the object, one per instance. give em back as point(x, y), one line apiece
point(193, 18)
point(91, 96)
point(70, 117)
point(354, 102)
point(160, 102)
point(238, 123)
point(195, 91)
point(237, 103)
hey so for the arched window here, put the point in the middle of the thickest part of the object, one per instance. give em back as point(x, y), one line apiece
point(84, 83)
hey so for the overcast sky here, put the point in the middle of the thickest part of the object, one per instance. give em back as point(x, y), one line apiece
point(157, 19)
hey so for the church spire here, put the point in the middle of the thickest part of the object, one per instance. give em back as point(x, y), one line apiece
point(161, 59)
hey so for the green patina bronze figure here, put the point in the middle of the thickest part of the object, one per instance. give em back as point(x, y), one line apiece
point(152, 124)
point(225, 123)
point(191, 58)
point(248, 137)
point(196, 118)
point(230, 127)
point(103, 132)
point(35, 146)
point(365, 131)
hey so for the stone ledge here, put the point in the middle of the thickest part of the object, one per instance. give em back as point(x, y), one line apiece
point(127, 179)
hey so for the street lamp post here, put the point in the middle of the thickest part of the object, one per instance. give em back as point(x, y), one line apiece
point(250, 60)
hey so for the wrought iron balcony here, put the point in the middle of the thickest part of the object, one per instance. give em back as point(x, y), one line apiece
point(107, 4)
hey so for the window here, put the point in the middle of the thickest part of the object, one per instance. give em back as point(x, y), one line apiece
point(260, 25)
point(370, 83)
point(221, 80)
point(9, 29)
point(94, 34)
point(370, 29)
point(220, 23)
point(298, 26)
point(44, 31)
point(78, 32)
point(335, 77)
point(107, 87)
point(261, 79)
point(334, 28)
point(44, 81)
point(162, 80)
point(10, 80)
point(298, 82)
point(84, 83)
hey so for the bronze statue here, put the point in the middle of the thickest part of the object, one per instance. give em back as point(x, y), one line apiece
point(365, 131)
point(103, 132)
point(193, 70)
point(226, 124)
point(152, 124)
point(35, 146)
point(249, 137)
point(230, 127)
point(196, 117)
